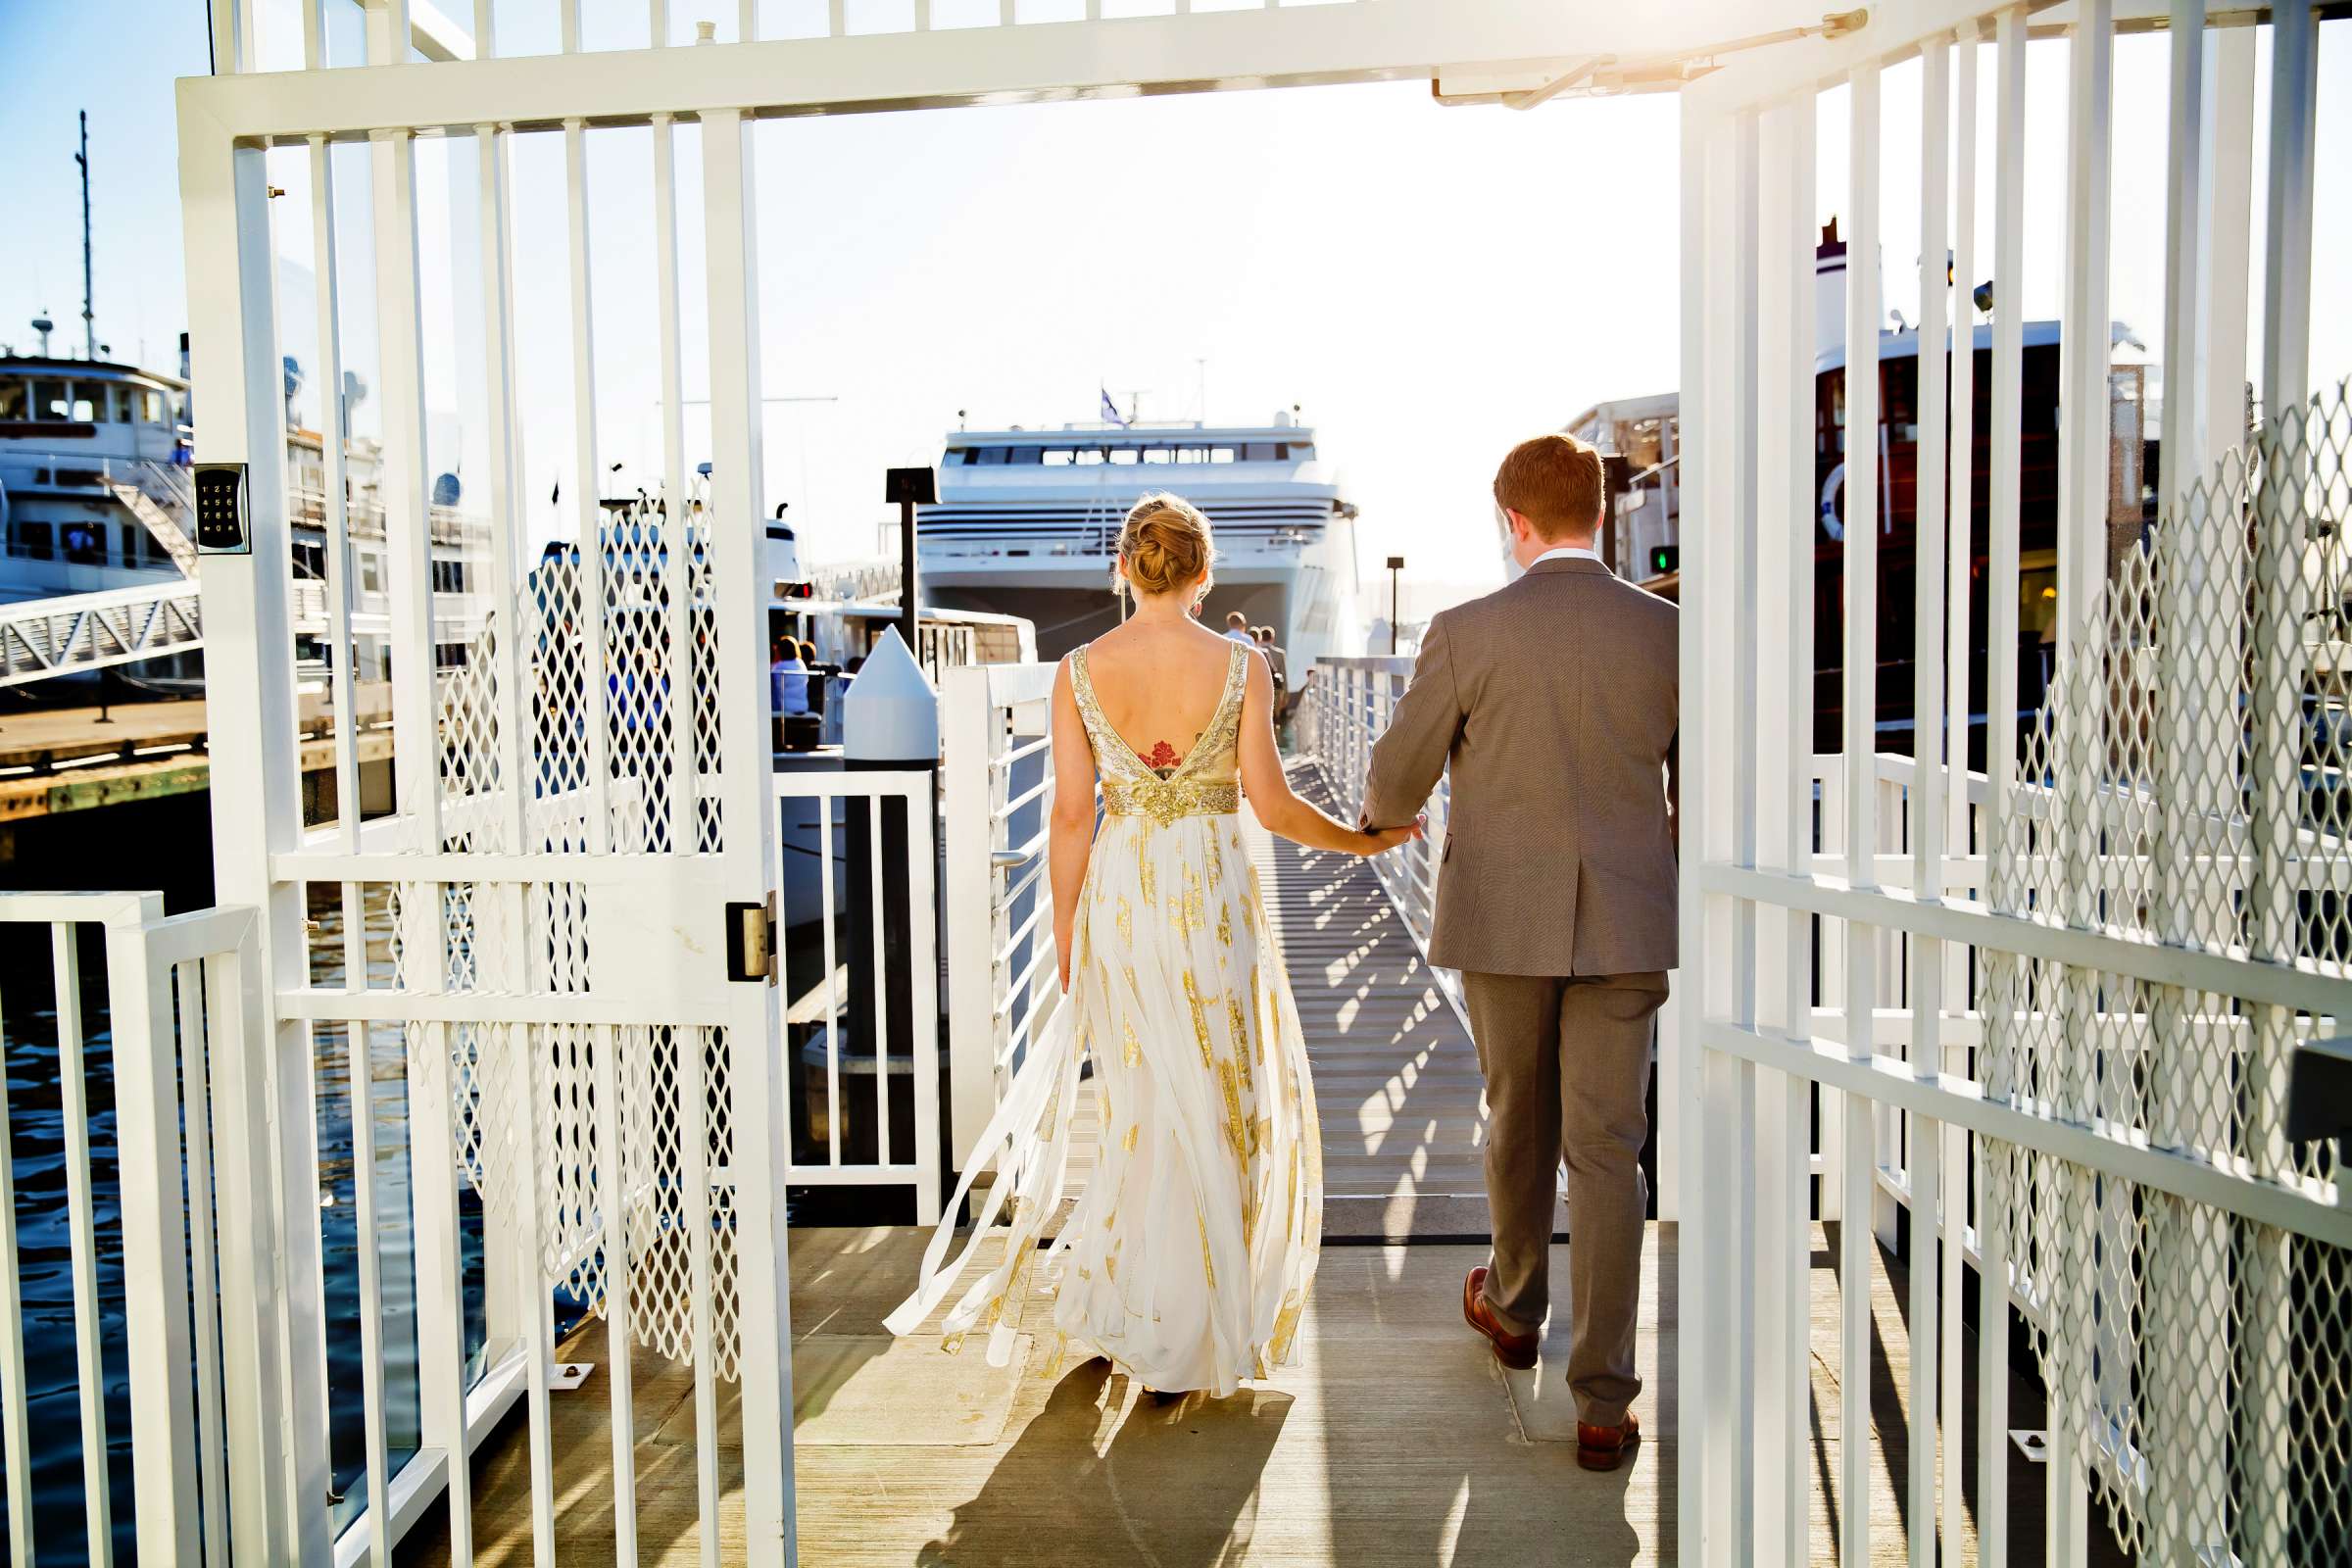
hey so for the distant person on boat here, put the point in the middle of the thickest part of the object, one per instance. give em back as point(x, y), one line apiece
point(788, 678)
point(1554, 703)
point(1188, 1259)
point(1278, 659)
point(1237, 628)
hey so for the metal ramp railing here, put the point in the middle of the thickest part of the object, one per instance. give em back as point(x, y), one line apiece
point(44, 637)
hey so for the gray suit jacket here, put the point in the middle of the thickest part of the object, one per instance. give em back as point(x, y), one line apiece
point(1556, 702)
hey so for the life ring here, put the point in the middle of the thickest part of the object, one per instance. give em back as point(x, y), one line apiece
point(1831, 487)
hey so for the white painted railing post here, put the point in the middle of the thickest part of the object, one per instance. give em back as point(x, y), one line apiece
point(1700, 1356)
point(155, 1249)
point(969, 725)
point(1784, 487)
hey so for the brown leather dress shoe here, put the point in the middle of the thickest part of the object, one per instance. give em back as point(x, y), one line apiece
point(1515, 1350)
point(1602, 1447)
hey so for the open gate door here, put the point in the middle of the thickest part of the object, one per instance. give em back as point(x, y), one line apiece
point(537, 924)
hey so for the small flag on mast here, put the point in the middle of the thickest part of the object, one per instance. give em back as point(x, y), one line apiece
point(1111, 410)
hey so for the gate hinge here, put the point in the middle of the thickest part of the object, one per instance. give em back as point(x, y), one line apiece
point(752, 940)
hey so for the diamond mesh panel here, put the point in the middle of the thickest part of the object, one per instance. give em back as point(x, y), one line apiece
point(651, 1177)
point(2185, 785)
point(603, 732)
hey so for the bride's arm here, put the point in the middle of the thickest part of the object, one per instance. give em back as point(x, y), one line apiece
point(1278, 806)
point(1073, 834)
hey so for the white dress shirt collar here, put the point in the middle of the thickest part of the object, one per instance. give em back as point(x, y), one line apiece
point(1566, 553)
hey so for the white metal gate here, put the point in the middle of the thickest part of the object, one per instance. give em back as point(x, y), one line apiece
point(581, 792)
point(2055, 1003)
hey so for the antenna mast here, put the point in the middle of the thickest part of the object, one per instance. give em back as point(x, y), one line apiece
point(89, 328)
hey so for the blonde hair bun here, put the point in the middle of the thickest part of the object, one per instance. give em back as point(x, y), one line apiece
point(1165, 544)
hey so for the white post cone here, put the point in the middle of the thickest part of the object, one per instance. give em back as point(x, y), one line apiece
point(891, 713)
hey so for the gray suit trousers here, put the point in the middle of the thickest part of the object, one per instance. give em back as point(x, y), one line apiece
point(1567, 1066)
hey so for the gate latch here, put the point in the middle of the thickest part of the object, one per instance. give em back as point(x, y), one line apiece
point(752, 940)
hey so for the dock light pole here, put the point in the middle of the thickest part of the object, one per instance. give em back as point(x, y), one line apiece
point(909, 488)
point(1395, 565)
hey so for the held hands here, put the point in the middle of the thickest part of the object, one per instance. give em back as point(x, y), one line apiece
point(1378, 841)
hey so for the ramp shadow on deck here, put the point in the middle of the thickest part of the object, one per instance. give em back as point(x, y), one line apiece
point(1396, 1076)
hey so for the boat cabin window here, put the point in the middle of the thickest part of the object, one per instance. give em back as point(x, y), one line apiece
point(87, 405)
point(12, 400)
point(1262, 451)
point(49, 401)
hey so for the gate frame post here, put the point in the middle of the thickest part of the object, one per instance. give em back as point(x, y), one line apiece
point(763, 1148)
point(256, 795)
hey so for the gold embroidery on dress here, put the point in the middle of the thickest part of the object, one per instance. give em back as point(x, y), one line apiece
point(1238, 1023)
point(1134, 1133)
point(1131, 1047)
point(1255, 1013)
point(1126, 923)
point(1191, 998)
point(1237, 1130)
point(1286, 1325)
point(1225, 925)
point(1188, 911)
point(1208, 1264)
point(1132, 788)
point(1144, 872)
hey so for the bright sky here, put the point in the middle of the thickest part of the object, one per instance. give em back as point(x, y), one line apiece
point(1428, 284)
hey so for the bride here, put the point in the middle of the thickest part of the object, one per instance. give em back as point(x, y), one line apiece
point(1186, 1261)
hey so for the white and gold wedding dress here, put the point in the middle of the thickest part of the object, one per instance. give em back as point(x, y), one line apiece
point(1187, 1259)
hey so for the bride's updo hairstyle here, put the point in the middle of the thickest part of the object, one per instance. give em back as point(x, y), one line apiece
point(1165, 544)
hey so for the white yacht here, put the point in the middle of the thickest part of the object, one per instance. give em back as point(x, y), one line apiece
point(93, 475)
point(1026, 520)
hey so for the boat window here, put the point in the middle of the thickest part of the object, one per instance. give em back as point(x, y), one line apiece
point(1126, 454)
point(32, 541)
point(1220, 454)
point(86, 405)
point(1159, 454)
point(12, 400)
point(989, 457)
point(1262, 452)
point(1057, 457)
point(371, 573)
point(151, 407)
point(1304, 451)
point(49, 400)
point(1027, 457)
point(1087, 457)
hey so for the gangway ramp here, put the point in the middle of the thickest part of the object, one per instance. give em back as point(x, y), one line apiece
point(41, 638)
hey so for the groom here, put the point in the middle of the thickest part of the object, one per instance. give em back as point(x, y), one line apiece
point(1554, 703)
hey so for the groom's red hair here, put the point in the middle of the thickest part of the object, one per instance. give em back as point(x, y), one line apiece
point(1556, 482)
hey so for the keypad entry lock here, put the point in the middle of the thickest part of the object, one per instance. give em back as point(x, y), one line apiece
point(222, 528)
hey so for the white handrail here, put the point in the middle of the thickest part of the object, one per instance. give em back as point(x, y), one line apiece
point(997, 782)
point(1347, 707)
point(186, 1048)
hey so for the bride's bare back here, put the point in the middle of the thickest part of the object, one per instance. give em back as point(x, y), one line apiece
point(1160, 684)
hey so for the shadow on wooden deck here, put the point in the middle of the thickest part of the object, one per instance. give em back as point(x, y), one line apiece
point(1395, 1441)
